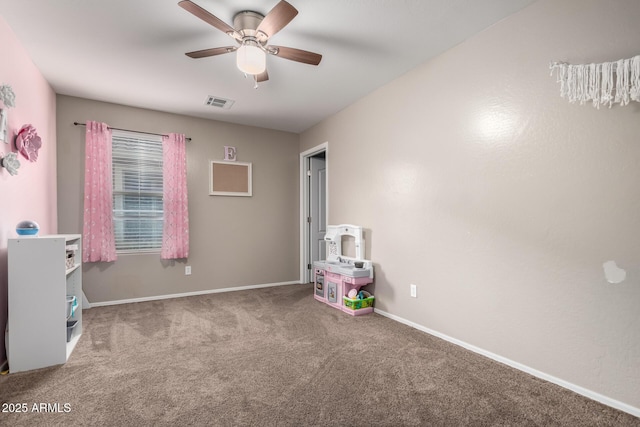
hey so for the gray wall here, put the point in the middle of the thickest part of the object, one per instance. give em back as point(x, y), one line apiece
point(501, 200)
point(235, 241)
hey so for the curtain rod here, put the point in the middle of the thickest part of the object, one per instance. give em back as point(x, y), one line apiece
point(129, 130)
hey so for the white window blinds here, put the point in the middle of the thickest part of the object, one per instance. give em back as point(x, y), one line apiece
point(137, 191)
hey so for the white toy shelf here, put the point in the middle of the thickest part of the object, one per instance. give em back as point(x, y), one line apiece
point(44, 272)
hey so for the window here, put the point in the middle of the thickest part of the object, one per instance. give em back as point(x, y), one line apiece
point(137, 191)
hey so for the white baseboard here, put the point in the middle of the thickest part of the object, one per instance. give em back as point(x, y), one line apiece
point(190, 294)
point(562, 383)
point(85, 302)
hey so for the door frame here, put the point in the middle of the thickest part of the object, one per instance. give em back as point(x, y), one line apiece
point(305, 276)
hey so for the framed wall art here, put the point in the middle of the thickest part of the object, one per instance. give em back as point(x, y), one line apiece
point(229, 178)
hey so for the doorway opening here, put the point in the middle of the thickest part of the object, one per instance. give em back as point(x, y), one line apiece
point(314, 208)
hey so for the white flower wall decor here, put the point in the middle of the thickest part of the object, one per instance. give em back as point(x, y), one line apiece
point(11, 163)
point(8, 98)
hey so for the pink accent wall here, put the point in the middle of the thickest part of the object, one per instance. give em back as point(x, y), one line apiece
point(31, 194)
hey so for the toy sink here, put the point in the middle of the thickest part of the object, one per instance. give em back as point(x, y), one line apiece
point(345, 267)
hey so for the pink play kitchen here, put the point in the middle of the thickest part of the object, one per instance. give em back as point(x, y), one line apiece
point(338, 279)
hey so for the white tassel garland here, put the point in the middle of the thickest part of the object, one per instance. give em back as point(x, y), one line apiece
point(596, 82)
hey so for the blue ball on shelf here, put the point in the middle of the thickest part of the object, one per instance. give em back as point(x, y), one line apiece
point(27, 228)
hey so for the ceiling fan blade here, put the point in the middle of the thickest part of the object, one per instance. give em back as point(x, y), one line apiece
point(276, 19)
point(262, 77)
point(211, 52)
point(297, 55)
point(209, 18)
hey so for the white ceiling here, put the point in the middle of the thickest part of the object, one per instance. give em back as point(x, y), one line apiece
point(131, 52)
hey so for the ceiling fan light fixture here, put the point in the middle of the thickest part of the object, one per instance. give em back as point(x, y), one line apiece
point(251, 59)
point(252, 31)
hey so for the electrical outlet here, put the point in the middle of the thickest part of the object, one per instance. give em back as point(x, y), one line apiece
point(187, 270)
point(414, 290)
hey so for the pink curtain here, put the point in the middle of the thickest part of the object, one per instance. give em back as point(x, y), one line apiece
point(98, 235)
point(175, 232)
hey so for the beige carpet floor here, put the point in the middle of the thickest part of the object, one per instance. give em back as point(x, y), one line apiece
point(277, 357)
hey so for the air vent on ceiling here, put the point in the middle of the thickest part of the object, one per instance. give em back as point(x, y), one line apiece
point(216, 101)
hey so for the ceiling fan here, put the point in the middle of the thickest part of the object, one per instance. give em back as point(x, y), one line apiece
point(252, 31)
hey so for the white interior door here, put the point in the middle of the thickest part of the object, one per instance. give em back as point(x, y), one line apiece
point(317, 207)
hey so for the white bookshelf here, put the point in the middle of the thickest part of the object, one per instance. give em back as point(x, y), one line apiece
point(39, 282)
